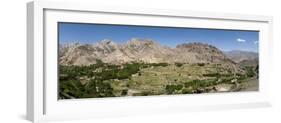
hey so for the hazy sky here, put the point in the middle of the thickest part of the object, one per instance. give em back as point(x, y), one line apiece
point(225, 40)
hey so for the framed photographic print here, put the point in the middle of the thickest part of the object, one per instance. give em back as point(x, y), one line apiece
point(96, 61)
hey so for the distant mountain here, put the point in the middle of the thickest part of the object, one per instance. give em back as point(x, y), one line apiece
point(140, 50)
point(245, 58)
point(252, 62)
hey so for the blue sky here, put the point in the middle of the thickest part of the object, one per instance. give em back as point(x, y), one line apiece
point(225, 40)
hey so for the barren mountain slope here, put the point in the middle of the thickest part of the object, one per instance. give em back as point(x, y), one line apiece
point(141, 50)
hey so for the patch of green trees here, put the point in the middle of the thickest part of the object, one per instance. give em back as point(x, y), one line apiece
point(250, 70)
point(96, 77)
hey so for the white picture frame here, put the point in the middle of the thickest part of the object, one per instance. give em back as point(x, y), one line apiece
point(42, 103)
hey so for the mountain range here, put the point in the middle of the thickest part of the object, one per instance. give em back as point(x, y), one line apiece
point(148, 51)
point(246, 58)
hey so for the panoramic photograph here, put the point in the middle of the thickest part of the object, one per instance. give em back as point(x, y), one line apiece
point(106, 60)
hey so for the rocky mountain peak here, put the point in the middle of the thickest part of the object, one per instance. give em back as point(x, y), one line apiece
point(106, 42)
point(198, 47)
point(138, 42)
